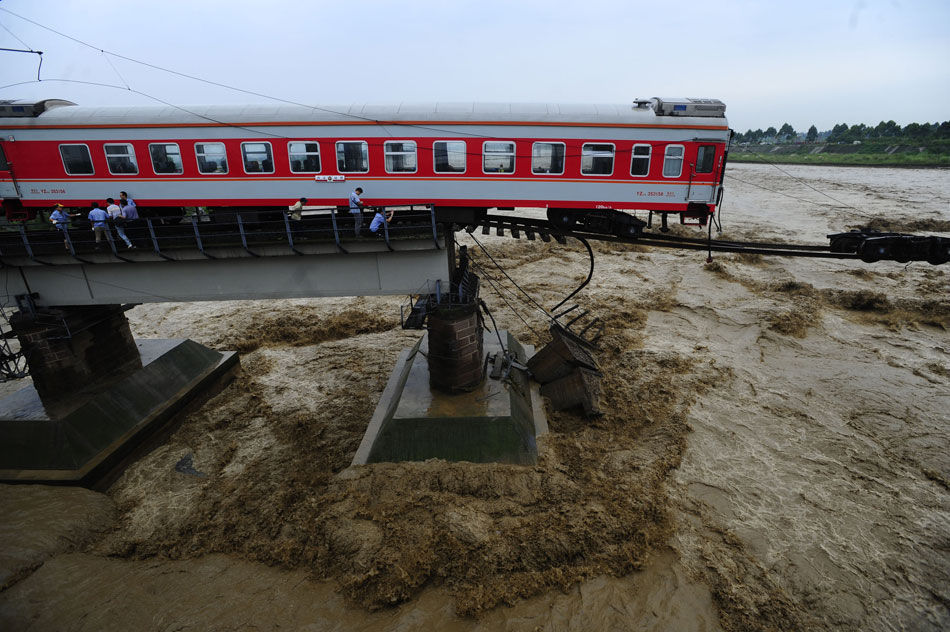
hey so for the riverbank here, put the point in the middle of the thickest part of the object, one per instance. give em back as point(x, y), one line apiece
point(930, 155)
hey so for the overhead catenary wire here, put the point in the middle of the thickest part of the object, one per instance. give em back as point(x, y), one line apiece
point(802, 182)
point(494, 286)
point(513, 282)
point(382, 123)
point(4, 27)
point(777, 192)
point(498, 284)
point(29, 49)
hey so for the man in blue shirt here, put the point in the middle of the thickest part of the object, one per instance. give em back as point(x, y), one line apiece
point(129, 210)
point(98, 218)
point(356, 210)
point(380, 218)
point(61, 222)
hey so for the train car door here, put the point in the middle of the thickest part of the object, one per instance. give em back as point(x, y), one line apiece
point(8, 187)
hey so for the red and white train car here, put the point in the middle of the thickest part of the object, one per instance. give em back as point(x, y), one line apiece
point(665, 155)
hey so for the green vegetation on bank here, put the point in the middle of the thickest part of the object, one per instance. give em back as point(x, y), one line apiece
point(886, 144)
point(824, 154)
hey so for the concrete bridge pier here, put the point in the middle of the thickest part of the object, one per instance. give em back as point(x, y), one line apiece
point(70, 349)
point(98, 395)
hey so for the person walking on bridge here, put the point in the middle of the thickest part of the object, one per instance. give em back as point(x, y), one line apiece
point(118, 220)
point(98, 218)
point(356, 210)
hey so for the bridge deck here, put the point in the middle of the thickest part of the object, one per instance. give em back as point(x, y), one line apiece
point(247, 256)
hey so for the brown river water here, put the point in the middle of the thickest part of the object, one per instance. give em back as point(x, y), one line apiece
point(773, 455)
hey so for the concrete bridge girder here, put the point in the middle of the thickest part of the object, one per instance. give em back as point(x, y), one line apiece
point(146, 278)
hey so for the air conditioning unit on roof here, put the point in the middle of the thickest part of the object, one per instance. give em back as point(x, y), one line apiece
point(688, 107)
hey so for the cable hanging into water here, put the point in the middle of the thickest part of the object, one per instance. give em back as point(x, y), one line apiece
point(802, 182)
point(500, 268)
point(495, 287)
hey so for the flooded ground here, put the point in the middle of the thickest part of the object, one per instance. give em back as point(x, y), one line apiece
point(773, 455)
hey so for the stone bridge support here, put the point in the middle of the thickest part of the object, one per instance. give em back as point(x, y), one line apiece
point(75, 348)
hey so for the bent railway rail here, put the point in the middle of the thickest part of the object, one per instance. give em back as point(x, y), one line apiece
point(934, 249)
point(269, 233)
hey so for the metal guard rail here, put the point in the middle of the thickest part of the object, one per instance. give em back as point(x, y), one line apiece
point(244, 231)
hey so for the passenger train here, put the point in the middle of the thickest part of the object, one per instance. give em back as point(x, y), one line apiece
point(662, 155)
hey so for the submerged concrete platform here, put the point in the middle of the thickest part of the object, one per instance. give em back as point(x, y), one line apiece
point(82, 439)
point(498, 422)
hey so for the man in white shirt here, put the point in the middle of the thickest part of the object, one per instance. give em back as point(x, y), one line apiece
point(118, 219)
point(297, 208)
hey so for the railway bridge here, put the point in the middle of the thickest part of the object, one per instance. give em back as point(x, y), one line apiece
point(229, 256)
point(96, 392)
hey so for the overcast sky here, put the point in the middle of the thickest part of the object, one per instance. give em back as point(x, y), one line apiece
point(807, 62)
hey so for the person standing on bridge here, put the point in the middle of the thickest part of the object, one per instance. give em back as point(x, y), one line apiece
point(61, 221)
point(98, 218)
point(129, 210)
point(356, 210)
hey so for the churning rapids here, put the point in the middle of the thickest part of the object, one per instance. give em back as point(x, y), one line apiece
point(773, 455)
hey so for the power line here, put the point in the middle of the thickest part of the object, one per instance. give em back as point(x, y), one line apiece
point(15, 37)
point(802, 182)
point(495, 287)
point(381, 123)
point(759, 186)
point(513, 282)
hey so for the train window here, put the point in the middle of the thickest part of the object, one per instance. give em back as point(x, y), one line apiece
point(597, 159)
point(76, 159)
point(3, 161)
point(705, 158)
point(673, 161)
point(547, 158)
point(258, 158)
point(304, 157)
point(166, 157)
point(121, 158)
point(400, 156)
point(640, 165)
point(352, 156)
point(498, 157)
point(212, 157)
point(449, 156)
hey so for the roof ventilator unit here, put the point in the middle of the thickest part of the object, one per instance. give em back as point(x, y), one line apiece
point(29, 109)
point(683, 107)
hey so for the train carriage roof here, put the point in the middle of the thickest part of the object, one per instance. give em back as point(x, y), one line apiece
point(640, 112)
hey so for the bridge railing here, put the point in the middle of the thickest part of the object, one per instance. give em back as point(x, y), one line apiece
point(222, 233)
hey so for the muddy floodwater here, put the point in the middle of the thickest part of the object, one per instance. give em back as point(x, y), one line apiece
point(773, 454)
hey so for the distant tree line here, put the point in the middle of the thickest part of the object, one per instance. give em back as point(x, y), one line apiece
point(843, 133)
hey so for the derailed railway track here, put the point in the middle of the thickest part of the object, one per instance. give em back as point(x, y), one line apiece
point(866, 246)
